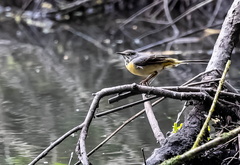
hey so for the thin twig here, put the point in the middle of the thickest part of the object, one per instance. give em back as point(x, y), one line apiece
point(216, 11)
point(180, 113)
point(55, 143)
point(121, 96)
point(198, 89)
point(125, 106)
point(192, 9)
point(139, 12)
point(193, 152)
point(25, 6)
point(231, 158)
point(169, 18)
point(203, 82)
point(89, 39)
point(144, 158)
point(188, 33)
point(238, 144)
point(204, 127)
point(70, 160)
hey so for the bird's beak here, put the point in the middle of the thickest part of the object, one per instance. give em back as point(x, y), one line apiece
point(121, 53)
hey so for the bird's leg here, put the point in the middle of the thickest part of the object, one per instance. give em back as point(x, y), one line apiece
point(145, 81)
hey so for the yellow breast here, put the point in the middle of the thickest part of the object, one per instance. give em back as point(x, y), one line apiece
point(144, 70)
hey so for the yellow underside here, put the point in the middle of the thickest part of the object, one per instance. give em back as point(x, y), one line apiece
point(149, 69)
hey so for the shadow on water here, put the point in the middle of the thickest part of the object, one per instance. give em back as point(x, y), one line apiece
point(46, 86)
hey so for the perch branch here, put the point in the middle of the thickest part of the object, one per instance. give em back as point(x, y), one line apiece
point(81, 149)
point(228, 95)
point(136, 115)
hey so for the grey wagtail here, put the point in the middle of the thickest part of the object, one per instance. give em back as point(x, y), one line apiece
point(149, 65)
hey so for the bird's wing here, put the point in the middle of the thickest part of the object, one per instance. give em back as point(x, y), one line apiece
point(144, 60)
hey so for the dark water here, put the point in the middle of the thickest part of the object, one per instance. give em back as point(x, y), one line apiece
point(46, 86)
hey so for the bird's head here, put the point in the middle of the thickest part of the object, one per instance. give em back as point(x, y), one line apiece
point(128, 55)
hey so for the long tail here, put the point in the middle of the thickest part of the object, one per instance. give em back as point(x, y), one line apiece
point(194, 61)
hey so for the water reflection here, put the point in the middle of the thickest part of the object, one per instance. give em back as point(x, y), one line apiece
point(43, 96)
point(46, 86)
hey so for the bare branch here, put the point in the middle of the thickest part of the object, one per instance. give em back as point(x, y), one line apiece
point(54, 144)
point(153, 122)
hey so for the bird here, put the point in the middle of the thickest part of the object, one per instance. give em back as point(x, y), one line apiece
point(149, 65)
